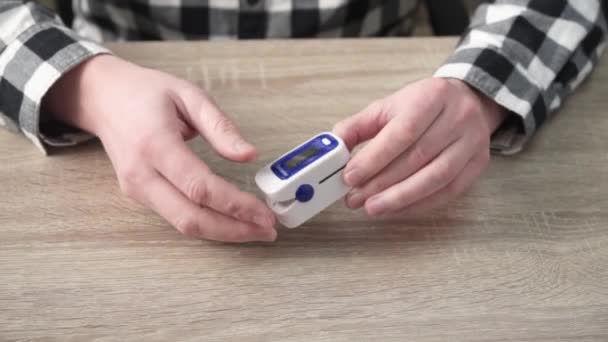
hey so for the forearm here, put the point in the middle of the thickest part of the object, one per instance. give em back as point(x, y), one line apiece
point(528, 58)
point(35, 51)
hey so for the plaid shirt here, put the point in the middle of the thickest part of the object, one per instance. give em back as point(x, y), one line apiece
point(528, 55)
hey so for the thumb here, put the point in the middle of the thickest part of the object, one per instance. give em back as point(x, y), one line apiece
point(214, 125)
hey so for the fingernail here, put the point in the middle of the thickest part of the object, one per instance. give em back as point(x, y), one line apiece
point(242, 146)
point(375, 206)
point(355, 200)
point(352, 177)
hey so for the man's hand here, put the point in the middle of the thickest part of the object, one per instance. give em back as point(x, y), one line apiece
point(142, 117)
point(428, 143)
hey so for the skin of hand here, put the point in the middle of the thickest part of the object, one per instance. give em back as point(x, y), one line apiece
point(427, 143)
point(143, 118)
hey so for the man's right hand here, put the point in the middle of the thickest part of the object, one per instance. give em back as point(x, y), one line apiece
point(143, 118)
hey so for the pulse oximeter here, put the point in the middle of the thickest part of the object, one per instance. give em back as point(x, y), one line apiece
point(305, 180)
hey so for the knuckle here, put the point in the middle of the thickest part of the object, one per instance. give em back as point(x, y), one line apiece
point(469, 107)
point(442, 174)
point(407, 133)
point(233, 207)
point(419, 155)
point(198, 191)
point(188, 226)
point(380, 111)
point(461, 118)
point(466, 115)
point(130, 179)
point(145, 147)
point(223, 126)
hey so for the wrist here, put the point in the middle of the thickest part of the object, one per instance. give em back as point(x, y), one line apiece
point(494, 113)
point(73, 98)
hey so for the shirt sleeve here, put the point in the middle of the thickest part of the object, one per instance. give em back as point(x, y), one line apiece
point(35, 50)
point(528, 56)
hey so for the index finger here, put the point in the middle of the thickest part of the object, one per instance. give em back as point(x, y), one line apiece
point(217, 128)
point(362, 126)
point(181, 167)
point(194, 221)
point(403, 130)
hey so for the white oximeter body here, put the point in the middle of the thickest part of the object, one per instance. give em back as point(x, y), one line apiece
point(305, 180)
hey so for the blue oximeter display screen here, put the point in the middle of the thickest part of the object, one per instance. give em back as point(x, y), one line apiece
point(301, 157)
point(296, 160)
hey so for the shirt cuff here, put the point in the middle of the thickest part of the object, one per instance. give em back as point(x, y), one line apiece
point(33, 63)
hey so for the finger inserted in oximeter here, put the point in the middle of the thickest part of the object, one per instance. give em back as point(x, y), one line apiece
point(305, 180)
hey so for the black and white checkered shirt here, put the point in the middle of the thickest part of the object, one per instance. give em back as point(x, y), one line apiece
point(527, 55)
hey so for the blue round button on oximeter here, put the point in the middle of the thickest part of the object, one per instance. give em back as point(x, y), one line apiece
point(305, 193)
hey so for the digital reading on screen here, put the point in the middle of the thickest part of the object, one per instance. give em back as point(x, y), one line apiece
point(301, 157)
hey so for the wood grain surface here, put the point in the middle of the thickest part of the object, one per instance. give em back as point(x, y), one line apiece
point(522, 257)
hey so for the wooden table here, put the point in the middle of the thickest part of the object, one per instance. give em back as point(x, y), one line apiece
point(522, 257)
